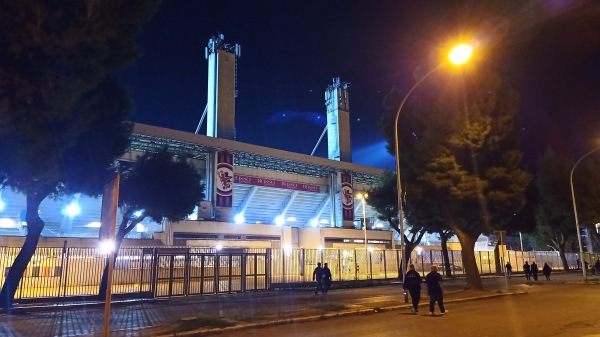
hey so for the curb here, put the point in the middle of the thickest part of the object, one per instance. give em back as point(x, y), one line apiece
point(325, 316)
point(69, 306)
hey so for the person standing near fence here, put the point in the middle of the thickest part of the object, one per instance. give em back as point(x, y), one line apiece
point(412, 282)
point(435, 290)
point(546, 270)
point(527, 270)
point(508, 269)
point(318, 277)
point(326, 278)
point(534, 270)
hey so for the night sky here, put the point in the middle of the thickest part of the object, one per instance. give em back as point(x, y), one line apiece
point(290, 52)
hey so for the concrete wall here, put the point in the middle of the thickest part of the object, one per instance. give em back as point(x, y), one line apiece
point(17, 241)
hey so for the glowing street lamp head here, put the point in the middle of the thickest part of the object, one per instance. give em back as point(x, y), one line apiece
point(460, 54)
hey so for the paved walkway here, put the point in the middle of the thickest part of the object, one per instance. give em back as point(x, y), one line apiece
point(160, 317)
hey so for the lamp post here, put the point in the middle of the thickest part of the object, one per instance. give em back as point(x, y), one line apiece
point(459, 55)
point(576, 218)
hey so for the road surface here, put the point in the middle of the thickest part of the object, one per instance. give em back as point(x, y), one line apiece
point(567, 310)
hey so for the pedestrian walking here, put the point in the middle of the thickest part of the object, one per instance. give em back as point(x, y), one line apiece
point(597, 265)
point(412, 282)
point(534, 271)
point(546, 270)
point(527, 270)
point(508, 269)
point(318, 277)
point(326, 278)
point(435, 290)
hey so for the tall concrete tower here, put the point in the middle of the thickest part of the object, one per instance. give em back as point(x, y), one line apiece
point(222, 87)
point(338, 121)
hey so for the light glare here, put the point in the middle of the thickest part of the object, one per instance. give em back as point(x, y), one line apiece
point(239, 218)
point(279, 221)
point(107, 246)
point(73, 210)
point(460, 54)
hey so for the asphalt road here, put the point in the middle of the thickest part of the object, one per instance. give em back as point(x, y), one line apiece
point(552, 310)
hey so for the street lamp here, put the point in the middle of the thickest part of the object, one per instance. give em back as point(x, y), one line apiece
point(458, 55)
point(576, 218)
point(363, 197)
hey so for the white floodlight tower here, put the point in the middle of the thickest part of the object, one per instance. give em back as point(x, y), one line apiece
point(222, 87)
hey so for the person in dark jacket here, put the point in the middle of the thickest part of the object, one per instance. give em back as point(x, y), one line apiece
point(534, 270)
point(412, 282)
point(546, 270)
point(326, 278)
point(527, 270)
point(508, 269)
point(435, 291)
point(318, 277)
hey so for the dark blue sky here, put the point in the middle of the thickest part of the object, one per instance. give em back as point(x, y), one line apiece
point(292, 50)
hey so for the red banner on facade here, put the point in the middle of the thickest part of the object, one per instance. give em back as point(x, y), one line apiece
point(347, 197)
point(224, 179)
point(290, 185)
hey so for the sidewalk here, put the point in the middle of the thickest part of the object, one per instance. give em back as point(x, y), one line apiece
point(191, 315)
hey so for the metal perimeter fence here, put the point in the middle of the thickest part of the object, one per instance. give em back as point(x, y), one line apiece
point(182, 271)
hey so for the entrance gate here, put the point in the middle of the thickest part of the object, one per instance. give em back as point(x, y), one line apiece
point(193, 271)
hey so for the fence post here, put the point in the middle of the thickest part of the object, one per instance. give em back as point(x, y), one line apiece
point(355, 265)
point(385, 264)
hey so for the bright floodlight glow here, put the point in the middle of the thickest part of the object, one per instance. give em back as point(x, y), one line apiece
point(137, 214)
point(94, 224)
point(324, 221)
point(7, 223)
point(107, 246)
point(371, 249)
point(287, 248)
point(419, 250)
point(291, 219)
point(219, 247)
point(140, 228)
point(379, 225)
point(320, 248)
point(460, 54)
point(72, 210)
point(279, 221)
point(239, 218)
point(314, 223)
point(1, 205)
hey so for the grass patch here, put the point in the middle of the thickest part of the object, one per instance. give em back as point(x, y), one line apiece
point(326, 307)
point(201, 322)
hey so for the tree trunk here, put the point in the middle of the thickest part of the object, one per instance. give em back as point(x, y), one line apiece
point(35, 225)
point(563, 258)
point(444, 242)
point(499, 264)
point(467, 243)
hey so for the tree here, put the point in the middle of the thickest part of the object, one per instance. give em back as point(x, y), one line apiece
point(586, 179)
point(554, 212)
point(158, 186)
point(62, 118)
point(383, 198)
point(461, 146)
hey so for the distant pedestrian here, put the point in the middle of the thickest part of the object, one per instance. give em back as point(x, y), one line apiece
point(534, 270)
point(435, 290)
point(546, 270)
point(597, 265)
point(326, 278)
point(508, 269)
point(318, 277)
point(586, 265)
point(578, 263)
point(412, 282)
point(527, 270)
